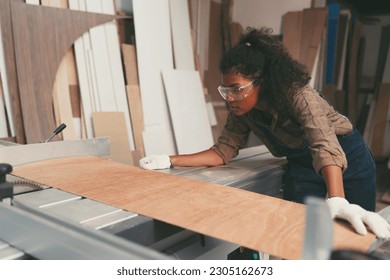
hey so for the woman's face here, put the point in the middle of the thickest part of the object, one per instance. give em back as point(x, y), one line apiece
point(248, 94)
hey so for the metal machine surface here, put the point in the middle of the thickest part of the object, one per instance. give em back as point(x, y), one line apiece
point(63, 223)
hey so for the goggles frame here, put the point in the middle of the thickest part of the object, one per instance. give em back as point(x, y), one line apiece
point(236, 93)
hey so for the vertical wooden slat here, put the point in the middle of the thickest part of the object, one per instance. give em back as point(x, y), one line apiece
point(381, 124)
point(181, 35)
point(137, 121)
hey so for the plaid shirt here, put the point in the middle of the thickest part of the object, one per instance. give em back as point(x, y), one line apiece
point(309, 119)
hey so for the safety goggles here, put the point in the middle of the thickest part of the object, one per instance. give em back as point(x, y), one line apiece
point(236, 93)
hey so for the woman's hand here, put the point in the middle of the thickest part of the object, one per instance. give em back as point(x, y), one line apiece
point(155, 162)
point(359, 217)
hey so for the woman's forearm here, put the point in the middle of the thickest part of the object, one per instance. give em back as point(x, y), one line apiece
point(204, 158)
point(333, 177)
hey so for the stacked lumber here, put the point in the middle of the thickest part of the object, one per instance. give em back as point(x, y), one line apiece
point(100, 86)
point(329, 41)
point(377, 125)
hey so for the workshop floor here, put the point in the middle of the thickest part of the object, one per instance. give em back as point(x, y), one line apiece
point(383, 185)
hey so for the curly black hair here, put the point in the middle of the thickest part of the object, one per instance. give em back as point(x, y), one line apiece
point(262, 57)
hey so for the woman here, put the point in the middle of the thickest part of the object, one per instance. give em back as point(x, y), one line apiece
point(267, 92)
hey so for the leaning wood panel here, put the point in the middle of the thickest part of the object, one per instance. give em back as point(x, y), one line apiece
point(152, 24)
point(292, 32)
point(381, 124)
point(113, 125)
point(10, 65)
point(185, 96)
point(38, 27)
point(137, 120)
point(256, 221)
point(354, 67)
point(314, 21)
point(3, 119)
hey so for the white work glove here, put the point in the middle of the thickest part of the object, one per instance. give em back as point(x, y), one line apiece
point(358, 217)
point(155, 162)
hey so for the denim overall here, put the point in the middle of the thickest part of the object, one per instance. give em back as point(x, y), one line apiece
point(359, 179)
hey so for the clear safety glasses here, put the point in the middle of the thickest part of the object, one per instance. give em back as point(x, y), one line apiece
point(236, 93)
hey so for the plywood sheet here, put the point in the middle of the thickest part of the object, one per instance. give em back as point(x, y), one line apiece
point(355, 49)
point(36, 79)
point(188, 110)
point(130, 63)
point(181, 35)
point(292, 32)
point(3, 118)
point(11, 87)
point(212, 77)
point(137, 121)
point(113, 125)
point(256, 221)
point(314, 22)
point(61, 95)
point(152, 24)
point(380, 145)
point(111, 91)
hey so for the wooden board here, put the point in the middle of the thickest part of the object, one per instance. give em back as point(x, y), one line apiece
point(353, 70)
point(256, 221)
point(137, 121)
point(188, 110)
point(212, 77)
point(3, 118)
point(313, 26)
point(152, 24)
point(130, 64)
point(36, 79)
point(61, 93)
point(11, 86)
point(181, 35)
point(380, 145)
point(292, 32)
point(202, 34)
point(113, 125)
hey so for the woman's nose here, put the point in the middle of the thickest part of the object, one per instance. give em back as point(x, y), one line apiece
point(229, 98)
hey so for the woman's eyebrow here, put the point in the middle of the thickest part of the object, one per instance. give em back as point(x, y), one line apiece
point(232, 85)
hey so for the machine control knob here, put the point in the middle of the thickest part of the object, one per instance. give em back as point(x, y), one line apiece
point(6, 189)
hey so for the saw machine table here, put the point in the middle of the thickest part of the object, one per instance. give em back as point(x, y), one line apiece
point(254, 169)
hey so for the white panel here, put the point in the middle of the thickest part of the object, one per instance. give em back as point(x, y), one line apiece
point(187, 105)
point(99, 65)
point(82, 53)
point(154, 53)
point(155, 142)
point(117, 74)
point(181, 35)
point(32, 2)
point(102, 68)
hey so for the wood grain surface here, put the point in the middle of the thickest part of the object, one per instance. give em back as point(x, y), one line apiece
point(10, 65)
point(42, 36)
point(256, 221)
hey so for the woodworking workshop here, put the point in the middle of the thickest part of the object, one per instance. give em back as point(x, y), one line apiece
point(194, 130)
